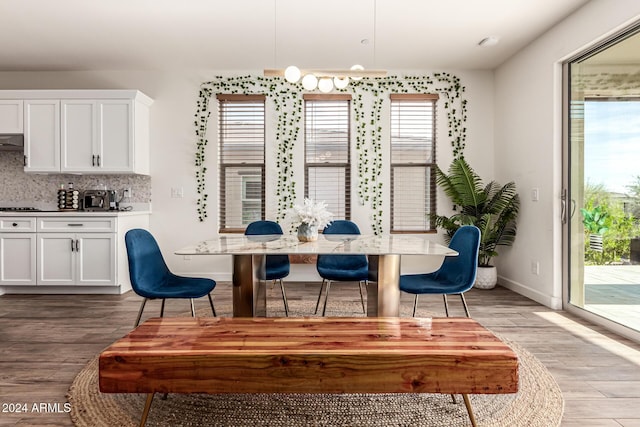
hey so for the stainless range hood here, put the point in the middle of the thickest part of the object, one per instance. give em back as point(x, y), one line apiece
point(11, 142)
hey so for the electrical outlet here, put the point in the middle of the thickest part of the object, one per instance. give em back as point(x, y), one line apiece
point(127, 192)
point(535, 267)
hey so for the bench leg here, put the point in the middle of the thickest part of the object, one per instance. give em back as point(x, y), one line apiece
point(145, 411)
point(467, 403)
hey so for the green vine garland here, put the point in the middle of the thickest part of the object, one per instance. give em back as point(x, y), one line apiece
point(369, 132)
point(287, 103)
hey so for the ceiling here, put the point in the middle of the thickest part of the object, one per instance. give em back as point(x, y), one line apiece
point(256, 34)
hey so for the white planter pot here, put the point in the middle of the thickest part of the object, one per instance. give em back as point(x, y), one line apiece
point(595, 242)
point(486, 278)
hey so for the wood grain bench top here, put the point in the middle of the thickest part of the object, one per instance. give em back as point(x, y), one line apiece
point(309, 355)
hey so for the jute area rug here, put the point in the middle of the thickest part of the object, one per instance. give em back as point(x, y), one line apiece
point(538, 403)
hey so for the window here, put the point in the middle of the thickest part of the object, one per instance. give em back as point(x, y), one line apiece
point(251, 199)
point(327, 170)
point(413, 181)
point(241, 157)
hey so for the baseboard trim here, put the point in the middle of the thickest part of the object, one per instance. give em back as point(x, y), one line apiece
point(550, 301)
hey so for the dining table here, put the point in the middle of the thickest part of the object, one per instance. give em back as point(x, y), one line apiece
point(383, 252)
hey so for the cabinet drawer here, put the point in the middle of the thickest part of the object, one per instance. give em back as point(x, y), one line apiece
point(17, 224)
point(83, 224)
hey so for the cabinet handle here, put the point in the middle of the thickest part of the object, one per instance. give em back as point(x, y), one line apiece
point(93, 160)
point(72, 247)
point(71, 224)
point(15, 224)
point(77, 245)
point(24, 160)
point(98, 156)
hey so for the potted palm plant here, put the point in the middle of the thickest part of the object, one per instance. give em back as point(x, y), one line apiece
point(492, 208)
point(595, 221)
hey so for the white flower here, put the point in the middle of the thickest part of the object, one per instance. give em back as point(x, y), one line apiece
point(314, 214)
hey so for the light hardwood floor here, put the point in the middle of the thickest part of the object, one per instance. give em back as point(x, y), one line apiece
point(46, 339)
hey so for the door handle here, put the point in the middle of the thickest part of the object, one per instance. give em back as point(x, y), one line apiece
point(566, 215)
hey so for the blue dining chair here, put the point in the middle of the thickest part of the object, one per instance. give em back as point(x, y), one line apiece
point(151, 278)
point(277, 266)
point(456, 274)
point(345, 268)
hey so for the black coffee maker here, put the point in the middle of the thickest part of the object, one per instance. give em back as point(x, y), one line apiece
point(99, 200)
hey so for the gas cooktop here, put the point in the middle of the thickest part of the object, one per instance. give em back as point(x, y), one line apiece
point(18, 209)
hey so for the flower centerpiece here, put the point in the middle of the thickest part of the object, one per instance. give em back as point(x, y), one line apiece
point(308, 218)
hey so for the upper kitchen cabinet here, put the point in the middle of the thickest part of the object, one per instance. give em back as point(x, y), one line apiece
point(104, 136)
point(84, 131)
point(11, 116)
point(42, 135)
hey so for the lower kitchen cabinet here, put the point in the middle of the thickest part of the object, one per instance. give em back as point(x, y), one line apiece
point(18, 259)
point(66, 253)
point(85, 259)
point(70, 257)
point(18, 251)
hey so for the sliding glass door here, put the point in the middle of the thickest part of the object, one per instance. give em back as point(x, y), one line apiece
point(602, 199)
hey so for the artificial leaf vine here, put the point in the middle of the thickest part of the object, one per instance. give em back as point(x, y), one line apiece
point(369, 130)
point(367, 112)
point(287, 103)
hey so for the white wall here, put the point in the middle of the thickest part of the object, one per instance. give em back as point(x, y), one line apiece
point(528, 144)
point(174, 221)
point(520, 103)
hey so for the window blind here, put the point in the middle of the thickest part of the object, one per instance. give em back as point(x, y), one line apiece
point(327, 152)
point(413, 184)
point(241, 136)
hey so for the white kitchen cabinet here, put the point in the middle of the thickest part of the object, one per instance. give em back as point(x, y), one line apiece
point(18, 259)
point(116, 142)
point(79, 135)
point(11, 116)
point(104, 136)
point(17, 251)
point(81, 259)
point(76, 258)
point(42, 136)
point(80, 131)
point(68, 253)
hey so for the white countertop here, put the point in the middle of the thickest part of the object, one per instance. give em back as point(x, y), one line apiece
point(72, 213)
point(401, 244)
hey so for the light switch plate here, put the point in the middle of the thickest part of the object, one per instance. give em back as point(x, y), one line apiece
point(535, 194)
point(177, 192)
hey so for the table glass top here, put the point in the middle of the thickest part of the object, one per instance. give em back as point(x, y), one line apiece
point(326, 244)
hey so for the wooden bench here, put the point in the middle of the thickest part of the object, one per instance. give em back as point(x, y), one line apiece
point(309, 355)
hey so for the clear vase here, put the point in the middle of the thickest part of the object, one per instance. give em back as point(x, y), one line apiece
point(307, 232)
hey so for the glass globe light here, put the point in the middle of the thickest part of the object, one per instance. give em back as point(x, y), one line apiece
point(309, 82)
point(292, 74)
point(325, 84)
point(341, 82)
point(357, 68)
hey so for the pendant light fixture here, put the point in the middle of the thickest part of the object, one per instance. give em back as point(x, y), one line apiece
point(325, 80)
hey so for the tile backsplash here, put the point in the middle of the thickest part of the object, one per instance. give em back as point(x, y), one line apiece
point(20, 188)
